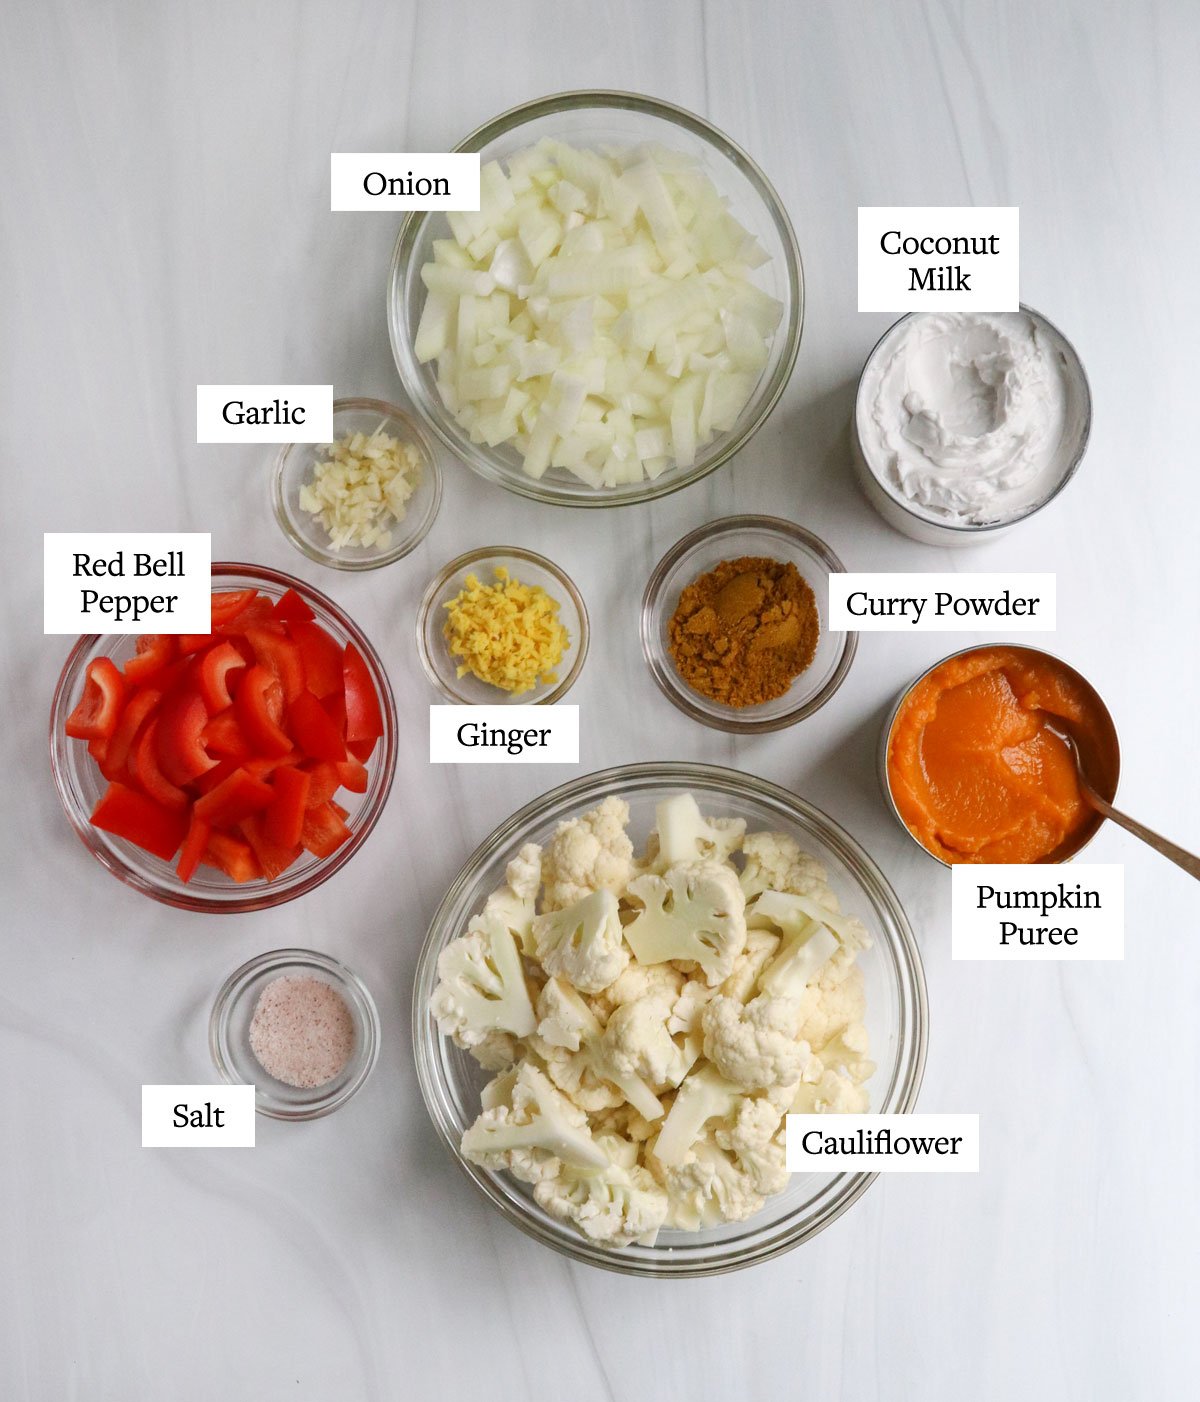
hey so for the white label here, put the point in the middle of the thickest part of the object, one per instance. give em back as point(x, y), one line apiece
point(882, 1143)
point(391, 180)
point(264, 413)
point(198, 1117)
point(939, 259)
point(1074, 910)
point(504, 734)
point(127, 582)
point(943, 603)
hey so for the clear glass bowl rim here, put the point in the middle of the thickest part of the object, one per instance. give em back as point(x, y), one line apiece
point(259, 895)
point(766, 396)
point(365, 1056)
point(674, 688)
point(912, 1031)
point(417, 429)
point(429, 601)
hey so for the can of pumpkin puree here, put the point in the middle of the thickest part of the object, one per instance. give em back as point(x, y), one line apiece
point(1111, 758)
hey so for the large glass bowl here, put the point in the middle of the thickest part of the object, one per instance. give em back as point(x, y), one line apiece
point(895, 992)
point(595, 119)
point(80, 782)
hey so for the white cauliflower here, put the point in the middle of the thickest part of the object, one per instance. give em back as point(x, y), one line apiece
point(707, 1189)
point(532, 1131)
point(847, 1052)
point(586, 854)
point(650, 983)
point(482, 996)
point(515, 902)
point(761, 948)
point(755, 1046)
point(636, 1043)
point(774, 862)
point(756, 1141)
point(693, 913)
point(617, 1205)
point(682, 834)
point(832, 1094)
point(832, 1003)
point(704, 1096)
point(583, 942)
point(693, 998)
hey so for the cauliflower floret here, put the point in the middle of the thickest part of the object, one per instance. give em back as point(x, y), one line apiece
point(682, 834)
point(847, 1053)
point(755, 1139)
point(532, 1131)
point(583, 943)
point(515, 902)
point(774, 862)
point(761, 947)
point(704, 1096)
point(624, 1122)
point(833, 1094)
point(755, 1046)
point(651, 983)
point(831, 1004)
point(636, 1043)
point(693, 913)
point(589, 853)
point(616, 1206)
point(482, 994)
point(708, 1189)
point(693, 999)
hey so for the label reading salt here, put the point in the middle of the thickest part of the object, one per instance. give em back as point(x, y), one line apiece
point(127, 582)
point(392, 180)
point(504, 734)
point(264, 413)
point(198, 1117)
point(939, 259)
point(1073, 910)
point(943, 603)
point(882, 1143)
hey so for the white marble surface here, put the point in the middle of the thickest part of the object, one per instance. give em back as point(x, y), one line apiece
point(165, 222)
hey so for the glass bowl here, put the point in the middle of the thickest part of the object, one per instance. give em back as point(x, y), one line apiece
point(441, 668)
point(294, 466)
point(896, 1011)
point(229, 1033)
point(593, 119)
point(80, 782)
point(700, 552)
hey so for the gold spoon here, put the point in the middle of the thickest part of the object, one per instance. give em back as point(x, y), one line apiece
point(1179, 855)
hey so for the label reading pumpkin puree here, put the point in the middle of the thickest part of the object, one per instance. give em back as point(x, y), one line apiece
point(1047, 910)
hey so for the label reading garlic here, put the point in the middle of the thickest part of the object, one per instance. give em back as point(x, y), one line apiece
point(392, 180)
point(943, 603)
point(1042, 910)
point(933, 258)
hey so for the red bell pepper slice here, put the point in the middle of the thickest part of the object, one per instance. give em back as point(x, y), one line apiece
point(364, 719)
point(323, 782)
point(284, 818)
point(126, 813)
point(312, 729)
point(98, 749)
point(228, 603)
point(222, 735)
point(138, 710)
point(212, 675)
point(258, 706)
point(258, 613)
point(362, 750)
point(145, 769)
point(180, 743)
point(291, 608)
point(273, 857)
point(281, 656)
point(233, 799)
point(352, 774)
point(322, 657)
point(193, 848)
point(324, 831)
point(190, 643)
point(232, 856)
point(99, 709)
point(154, 651)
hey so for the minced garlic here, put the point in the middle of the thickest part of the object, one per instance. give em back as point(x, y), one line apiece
point(361, 488)
point(508, 634)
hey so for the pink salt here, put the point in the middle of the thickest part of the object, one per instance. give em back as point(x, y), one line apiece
point(302, 1032)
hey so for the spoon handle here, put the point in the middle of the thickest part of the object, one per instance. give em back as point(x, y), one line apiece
point(1171, 850)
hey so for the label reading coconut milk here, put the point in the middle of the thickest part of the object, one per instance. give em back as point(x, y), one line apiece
point(198, 1117)
point(392, 180)
point(882, 1144)
point(127, 582)
point(504, 734)
point(943, 603)
point(939, 259)
point(1072, 910)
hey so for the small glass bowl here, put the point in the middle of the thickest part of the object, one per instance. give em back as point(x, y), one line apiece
point(229, 1033)
point(441, 668)
point(294, 466)
point(893, 980)
point(598, 119)
point(80, 783)
point(700, 552)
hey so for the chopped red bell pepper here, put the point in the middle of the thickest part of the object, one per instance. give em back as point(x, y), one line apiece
point(291, 608)
point(190, 643)
point(222, 735)
point(212, 675)
point(96, 716)
point(146, 771)
point(181, 722)
point(324, 830)
point(258, 613)
point(232, 856)
point(323, 782)
point(274, 857)
point(284, 818)
point(322, 657)
point(126, 813)
point(362, 750)
point(364, 719)
point(233, 799)
point(281, 656)
point(312, 729)
point(227, 604)
point(258, 706)
point(194, 845)
point(352, 774)
point(140, 706)
point(154, 651)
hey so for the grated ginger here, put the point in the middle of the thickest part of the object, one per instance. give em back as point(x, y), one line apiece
point(508, 634)
point(361, 488)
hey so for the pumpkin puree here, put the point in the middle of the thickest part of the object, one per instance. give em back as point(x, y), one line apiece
point(974, 772)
